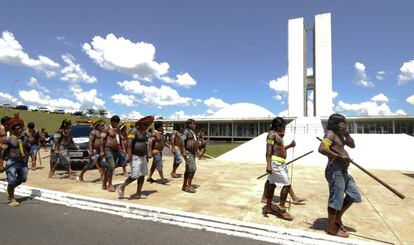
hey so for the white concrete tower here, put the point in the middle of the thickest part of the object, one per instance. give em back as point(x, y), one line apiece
point(296, 67)
point(322, 65)
point(321, 80)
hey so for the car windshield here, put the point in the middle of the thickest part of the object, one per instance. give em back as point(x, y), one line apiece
point(81, 131)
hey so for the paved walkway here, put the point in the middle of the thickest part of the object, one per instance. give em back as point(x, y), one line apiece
point(230, 190)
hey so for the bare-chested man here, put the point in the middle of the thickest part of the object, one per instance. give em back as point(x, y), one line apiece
point(33, 135)
point(122, 161)
point(176, 145)
point(95, 142)
point(275, 158)
point(157, 143)
point(111, 145)
point(63, 142)
point(202, 147)
point(3, 137)
point(16, 149)
point(189, 151)
point(138, 149)
point(336, 173)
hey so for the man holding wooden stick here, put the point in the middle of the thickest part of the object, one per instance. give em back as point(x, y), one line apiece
point(336, 173)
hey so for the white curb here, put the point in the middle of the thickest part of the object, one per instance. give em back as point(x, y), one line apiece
point(254, 231)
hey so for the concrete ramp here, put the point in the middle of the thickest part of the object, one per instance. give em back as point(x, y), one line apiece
point(372, 151)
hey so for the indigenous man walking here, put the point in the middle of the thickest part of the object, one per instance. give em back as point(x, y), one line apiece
point(111, 145)
point(157, 144)
point(189, 150)
point(33, 135)
point(16, 149)
point(275, 158)
point(138, 149)
point(336, 173)
point(64, 140)
point(94, 148)
point(176, 145)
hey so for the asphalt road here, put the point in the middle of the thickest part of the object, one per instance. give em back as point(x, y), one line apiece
point(37, 222)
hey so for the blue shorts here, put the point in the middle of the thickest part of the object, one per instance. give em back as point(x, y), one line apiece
point(122, 158)
point(157, 160)
point(95, 156)
point(177, 157)
point(341, 185)
point(33, 149)
point(16, 172)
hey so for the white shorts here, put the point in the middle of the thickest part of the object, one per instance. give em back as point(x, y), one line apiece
point(139, 166)
point(279, 174)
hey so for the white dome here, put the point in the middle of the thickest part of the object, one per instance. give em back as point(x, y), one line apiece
point(242, 110)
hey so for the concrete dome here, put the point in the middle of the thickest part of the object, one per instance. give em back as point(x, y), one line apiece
point(242, 110)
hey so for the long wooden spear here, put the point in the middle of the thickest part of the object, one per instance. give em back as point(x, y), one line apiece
point(372, 175)
point(263, 175)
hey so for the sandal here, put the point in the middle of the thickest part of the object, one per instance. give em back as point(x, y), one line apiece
point(284, 215)
point(190, 190)
point(136, 196)
point(120, 192)
point(339, 233)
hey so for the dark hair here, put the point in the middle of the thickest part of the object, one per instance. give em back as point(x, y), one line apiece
point(277, 122)
point(334, 121)
point(31, 125)
point(65, 124)
point(188, 122)
point(5, 120)
point(115, 119)
point(14, 126)
point(157, 124)
point(177, 127)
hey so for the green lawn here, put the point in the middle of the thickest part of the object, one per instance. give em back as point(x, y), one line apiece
point(215, 149)
point(51, 122)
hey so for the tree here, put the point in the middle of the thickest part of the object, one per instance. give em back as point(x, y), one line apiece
point(102, 112)
point(91, 111)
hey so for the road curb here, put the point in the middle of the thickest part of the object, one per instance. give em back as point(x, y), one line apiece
point(254, 231)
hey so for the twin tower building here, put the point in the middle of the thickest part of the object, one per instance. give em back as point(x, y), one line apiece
point(302, 102)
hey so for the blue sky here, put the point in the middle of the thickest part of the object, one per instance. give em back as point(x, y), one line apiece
point(187, 58)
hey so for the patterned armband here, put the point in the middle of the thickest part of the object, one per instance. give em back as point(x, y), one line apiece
point(270, 141)
point(327, 143)
point(131, 136)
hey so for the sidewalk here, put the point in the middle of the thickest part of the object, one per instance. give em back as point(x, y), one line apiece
point(230, 190)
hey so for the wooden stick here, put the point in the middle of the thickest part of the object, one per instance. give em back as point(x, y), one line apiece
point(372, 175)
point(263, 175)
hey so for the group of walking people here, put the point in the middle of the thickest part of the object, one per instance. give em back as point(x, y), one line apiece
point(117, 144)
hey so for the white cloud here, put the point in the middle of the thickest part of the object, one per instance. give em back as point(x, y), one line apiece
point(400, 112)
point(406, 72)
point(88, 99)
point(280, 85)
point(7, 98)
point(153, 96)
point(183, 80)
point(284, 113)
point(11, 52)
point(214, 104)
point(380, 98)
point(361, 78)
point(123, 99)
point(278, 97)
point(410, 99)
point(73, 72)
point(35, 84)
point(36, 98)
point(181, 114)
point(136, 59)
point(133, 115)
point(367, 108)
point(380, 75)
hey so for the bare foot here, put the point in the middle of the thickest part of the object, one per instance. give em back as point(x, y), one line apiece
point(120, 192)
point(104, 187)
point(174, 175)
point(13, 203)
point(79, 178)
point(110, 188)
point(338, 233)
point(283, 214)
point(50, 175)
